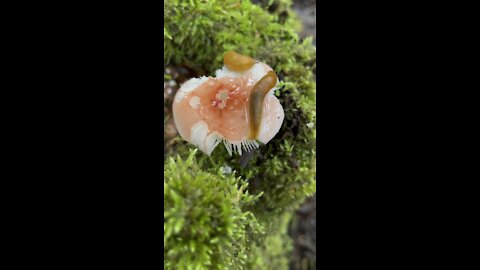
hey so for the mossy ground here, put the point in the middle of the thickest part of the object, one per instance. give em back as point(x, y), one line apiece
point(280, 175)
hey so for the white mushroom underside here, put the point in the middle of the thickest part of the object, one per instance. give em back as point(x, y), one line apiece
point(207, 142)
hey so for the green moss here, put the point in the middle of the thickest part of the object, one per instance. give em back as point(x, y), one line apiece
point(206, 226)
point(274, 250)
point(197, 33)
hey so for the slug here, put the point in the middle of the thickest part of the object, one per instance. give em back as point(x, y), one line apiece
point(237, 62)
point(257, 96)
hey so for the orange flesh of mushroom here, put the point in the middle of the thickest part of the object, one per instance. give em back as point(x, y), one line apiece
point(222, 105)
point(236, 108)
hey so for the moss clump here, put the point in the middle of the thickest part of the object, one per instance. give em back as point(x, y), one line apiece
point(206, 226)
point(197, 33)
point(274, 250)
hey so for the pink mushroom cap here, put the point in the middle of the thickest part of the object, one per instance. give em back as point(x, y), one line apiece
point(210, 110)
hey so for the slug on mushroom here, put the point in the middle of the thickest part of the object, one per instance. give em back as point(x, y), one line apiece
point(237, 107)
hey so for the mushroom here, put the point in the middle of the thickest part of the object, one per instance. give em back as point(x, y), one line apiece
point(237, 107)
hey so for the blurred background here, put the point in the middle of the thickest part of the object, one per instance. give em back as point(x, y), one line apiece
point(307, 13)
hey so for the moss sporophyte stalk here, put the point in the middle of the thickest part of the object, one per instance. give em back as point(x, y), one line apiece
point(237, 218)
